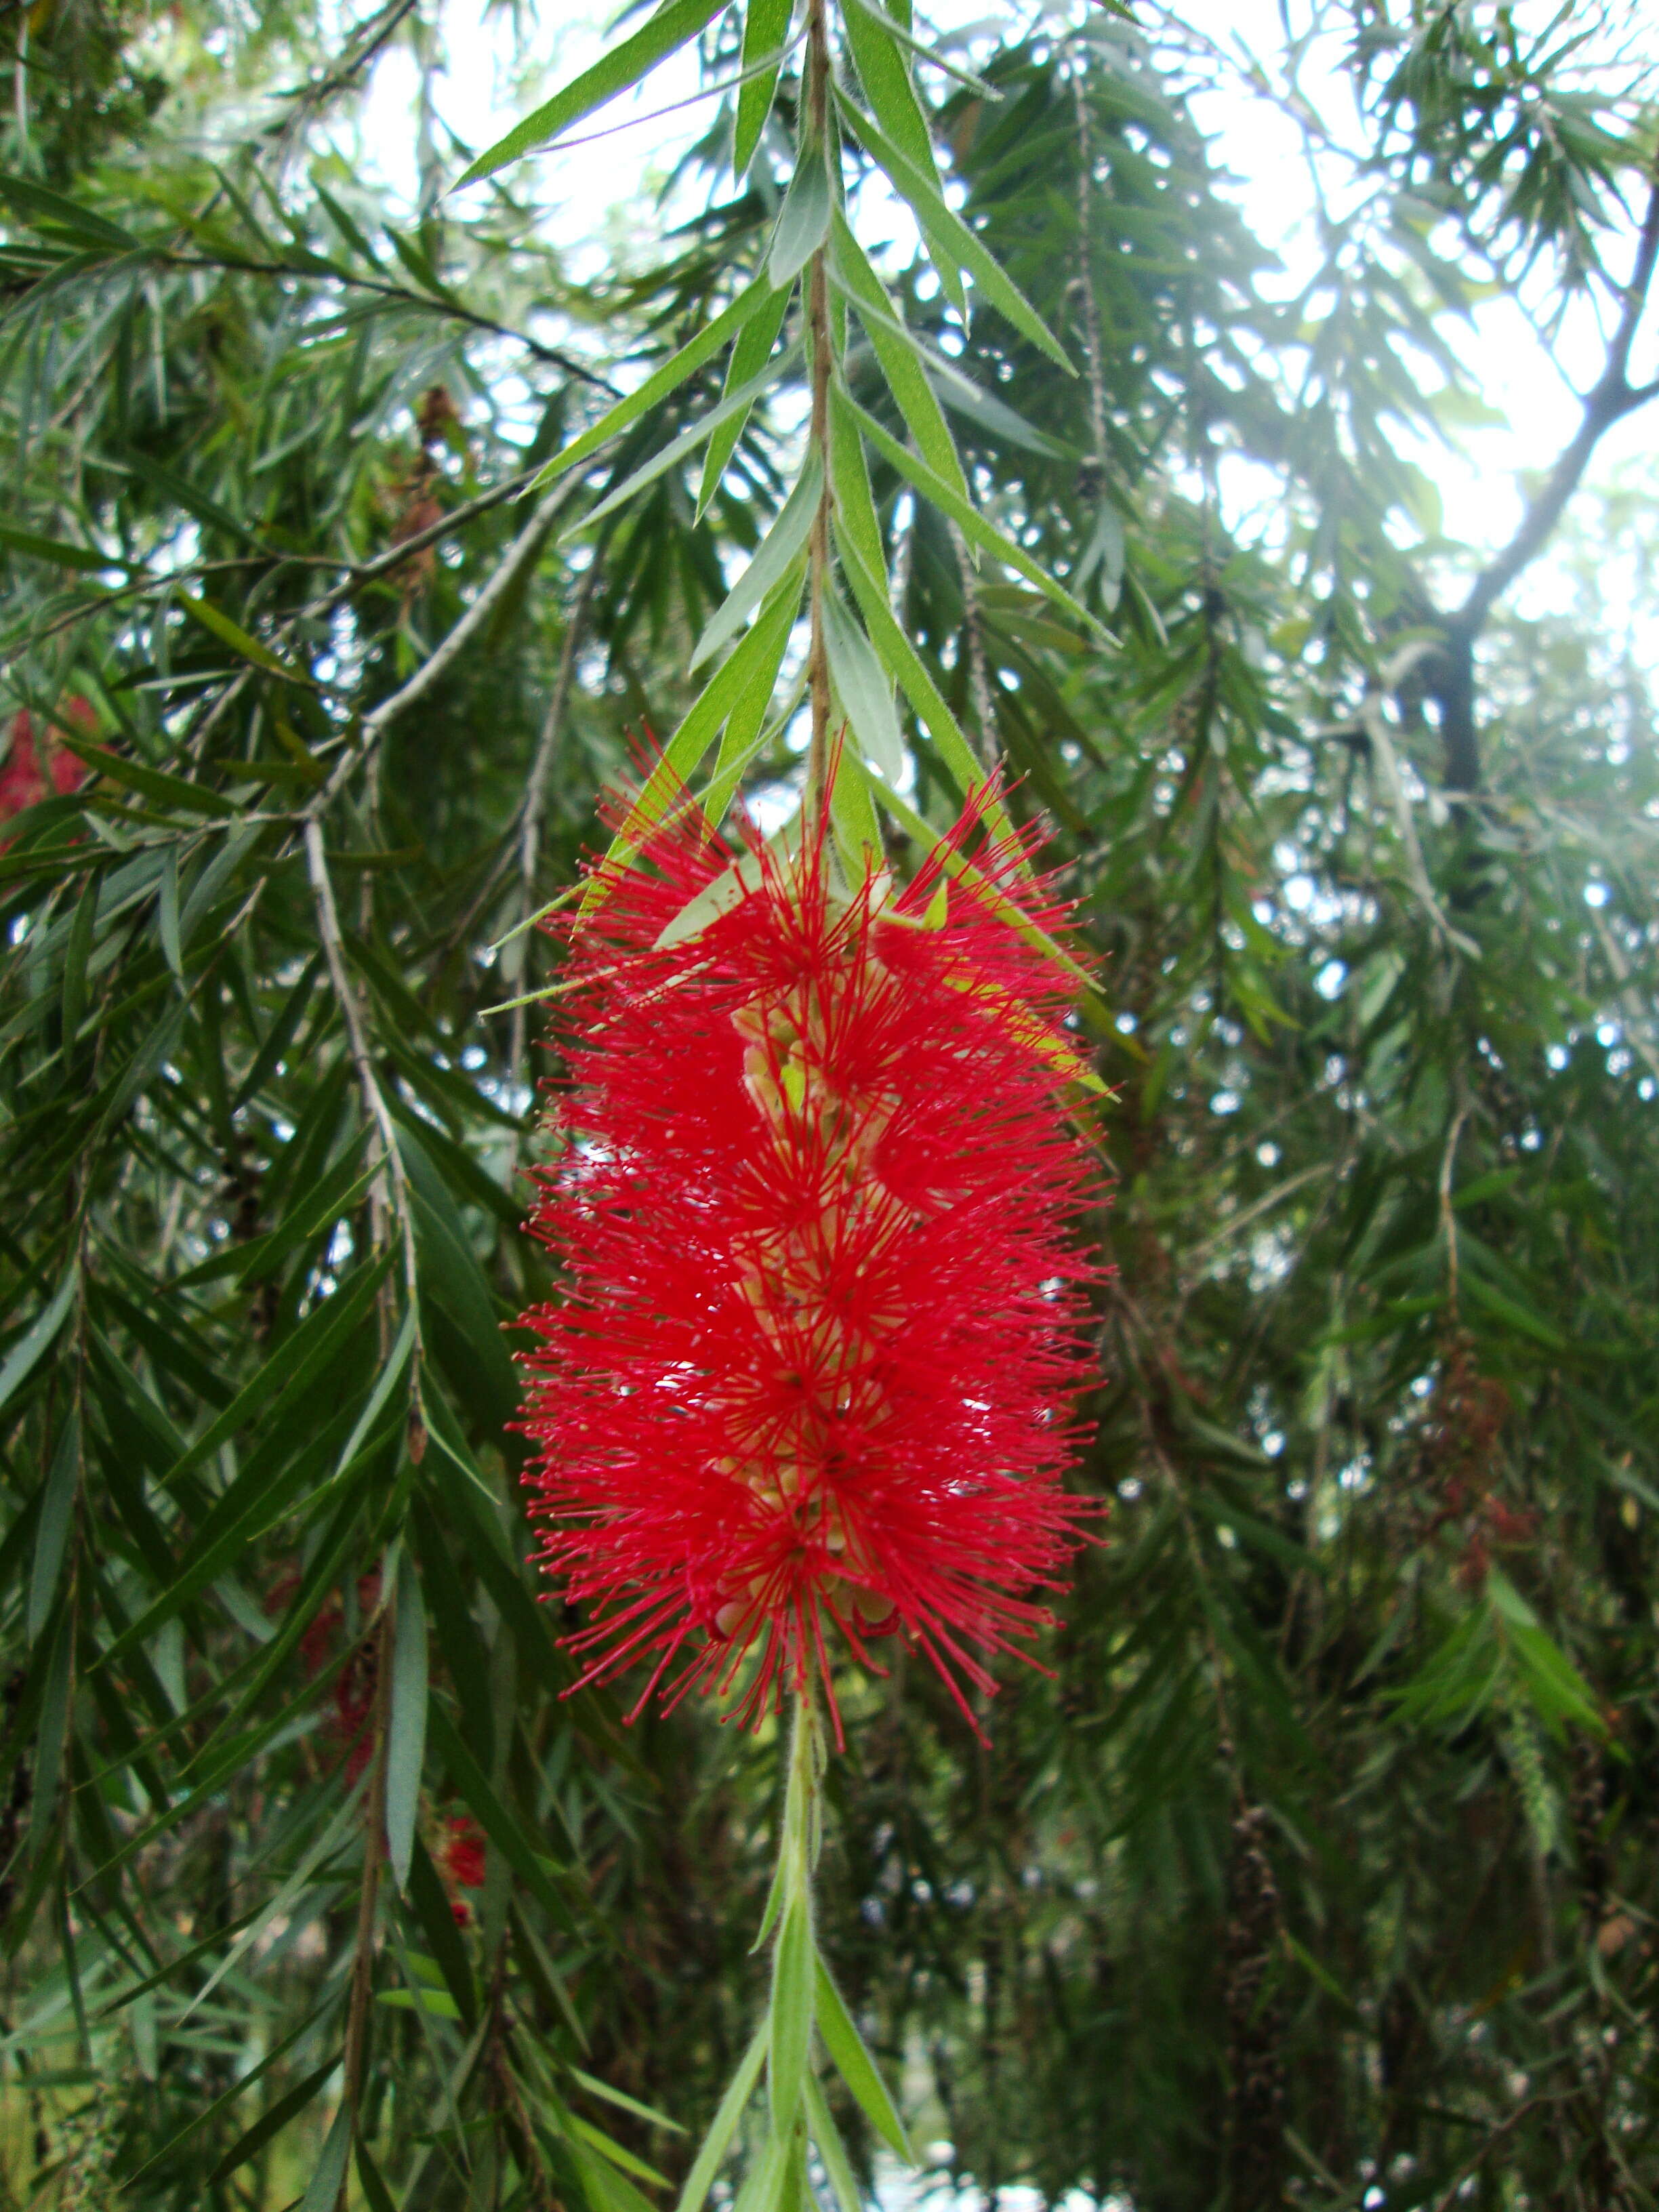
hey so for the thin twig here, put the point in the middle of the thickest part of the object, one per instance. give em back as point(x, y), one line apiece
point(535, 791)
point(362, 1961)
point(1448, 1213)
point(1394, 791)
point(445, 310)
point(390, 1191)
point(520, 555)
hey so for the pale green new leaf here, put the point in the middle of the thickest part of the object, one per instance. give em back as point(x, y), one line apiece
point(625, 64)
point(757, 303)
point(778, 552)
point(405, 1746)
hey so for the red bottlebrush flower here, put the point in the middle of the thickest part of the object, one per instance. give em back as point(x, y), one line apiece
point(460, 1859)
point(356, 1685)
point(26, 778)
point(821, 1320)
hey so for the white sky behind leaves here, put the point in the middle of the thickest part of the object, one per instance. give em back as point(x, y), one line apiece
point(603, 197)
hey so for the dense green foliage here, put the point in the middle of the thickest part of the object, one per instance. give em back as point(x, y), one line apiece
point(1321, 1870)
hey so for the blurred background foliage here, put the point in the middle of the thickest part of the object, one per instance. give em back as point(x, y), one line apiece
point(1321, 1869)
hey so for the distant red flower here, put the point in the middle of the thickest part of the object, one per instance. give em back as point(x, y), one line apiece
point(25, 778)
point(460, 1859)
point(820, 1325)
point(355, 1687)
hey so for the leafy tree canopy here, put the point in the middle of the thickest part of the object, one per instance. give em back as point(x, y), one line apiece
point(354, 550)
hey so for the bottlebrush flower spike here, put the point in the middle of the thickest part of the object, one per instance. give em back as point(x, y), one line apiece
point(820, 1327)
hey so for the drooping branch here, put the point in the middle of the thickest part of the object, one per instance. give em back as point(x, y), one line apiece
point(1609, 400)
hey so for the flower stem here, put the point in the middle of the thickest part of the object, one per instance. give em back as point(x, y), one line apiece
point(805, 2004)
point(815, 148)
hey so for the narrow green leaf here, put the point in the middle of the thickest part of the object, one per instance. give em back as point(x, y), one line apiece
point(51, 1744)
point(431, 1908)
point(344, 224)
point(758, 304)
point(624, 2102)
point(1505, 1308)
point(405, 1743)
point(167, 913)
point(78, 952)
point(972, 523)
point(625, 64)
point(51, 210)
point(397, 1359)
point(826, 2135)
point(941, 222)
point(762, 648)
point(774, 556)
point(789, 2020)
point(746, 724)
point(62, 554)
point(282, 1901)
point(955, 865)
point(670, 456)
point(21, 1359)
point(51, 1533)
point(614, 2151)
point(766, 25)
point(856, 2067)
point(724, 2125)
point(376, 2194)
point(322, 2189)
point(885, 76)
point(220, 2104)
point(152, 783)
point(906, 663)
point(270, 2123)
point(214, 619)
point(853, 816)
point(293, 1364)
point(895, 349)
point(803, 218)
point(750, 351)
point(864, 689)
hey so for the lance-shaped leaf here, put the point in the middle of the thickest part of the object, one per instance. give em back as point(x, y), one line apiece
point(734, 403)
point(724, 2125)
point(802, 219)
point(758, 654)
point(955, 864)
point(625, 64)
point(938, 219)
point(61, 555)
point(765, 27)
point(790, 2019)
point(52, 1534)
point(856, 2067)
point(858, 541)
point(864, 689)
point(853, 818)
point(972, 523)
point(21, 1358)
point(772, 558)
point(757, 303)
point(750, 351)
point(220, 625)
point(405, 1746)
point(898, 355)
